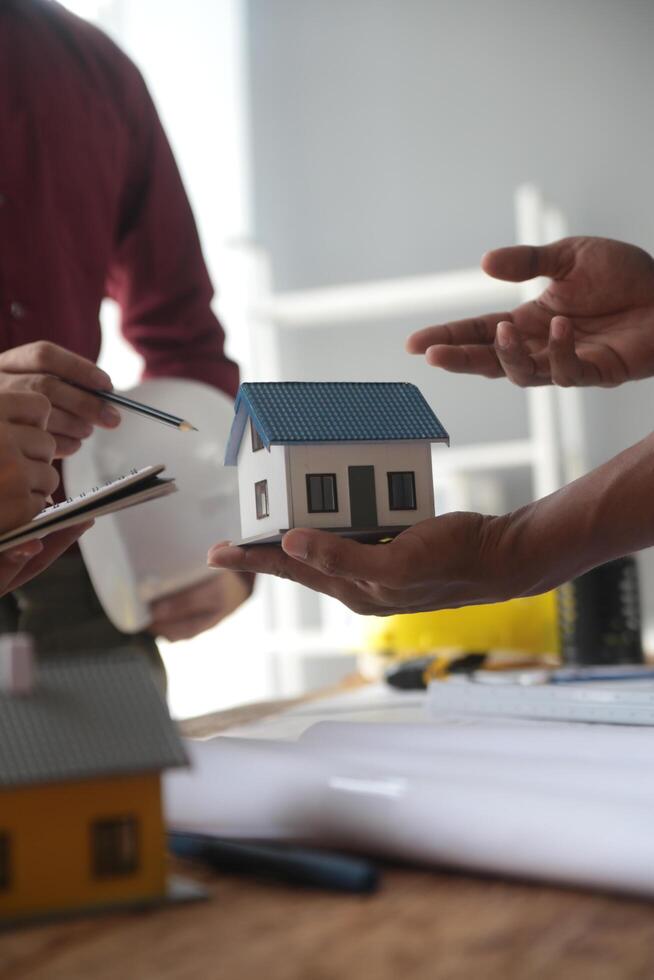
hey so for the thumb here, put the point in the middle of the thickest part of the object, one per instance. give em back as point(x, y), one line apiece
point(520, 262)
point(23, 552)
point(336, 556)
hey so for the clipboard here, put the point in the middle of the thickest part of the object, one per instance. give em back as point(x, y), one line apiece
point(136, 487)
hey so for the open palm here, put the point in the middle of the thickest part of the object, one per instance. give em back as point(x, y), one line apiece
point(593, 324)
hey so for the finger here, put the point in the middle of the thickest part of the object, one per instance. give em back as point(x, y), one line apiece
point(473, 330)
point(244, 585)
point(273, 561)
point(520, 262)
point(186, 628)
point(39, 501)
point(63, 423)
point(34, 443)
point(466, 360)
point(269, 561)
point(217, 598)
point(260, 558)
point(196, 601)
point(66, 447)
point(23, 552)
point(566, 367)
point(52, 548)
point(374, 569)
point(43, 478)
point(25, 408)
point(89, 408)
point(339, 557)
point(43, 357)
point(518, 365)
point(14, 561)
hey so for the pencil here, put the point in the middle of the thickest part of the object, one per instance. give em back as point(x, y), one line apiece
point(140, 409)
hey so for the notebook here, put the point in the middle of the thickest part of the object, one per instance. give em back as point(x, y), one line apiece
point(621, 702)
point(136, 487)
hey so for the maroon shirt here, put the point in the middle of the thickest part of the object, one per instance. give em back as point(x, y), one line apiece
point(92, 205)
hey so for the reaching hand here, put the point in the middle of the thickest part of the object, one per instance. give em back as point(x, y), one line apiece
point(54, 372)
point(593, 325)
point(198, 608)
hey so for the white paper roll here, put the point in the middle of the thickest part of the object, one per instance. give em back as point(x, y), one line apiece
point(594, 831)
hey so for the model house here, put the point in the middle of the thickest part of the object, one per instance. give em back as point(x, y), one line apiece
point(82, 745)
point(350, 457)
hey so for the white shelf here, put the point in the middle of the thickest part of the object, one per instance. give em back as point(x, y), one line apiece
point(386, 298)
point(485, 456)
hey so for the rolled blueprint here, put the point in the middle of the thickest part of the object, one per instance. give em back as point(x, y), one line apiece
point(513, 738)
point(572, 821)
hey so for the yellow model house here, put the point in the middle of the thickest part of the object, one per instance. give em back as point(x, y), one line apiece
point(82, 748)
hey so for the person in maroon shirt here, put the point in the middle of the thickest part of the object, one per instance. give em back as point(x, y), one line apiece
point(92, 205)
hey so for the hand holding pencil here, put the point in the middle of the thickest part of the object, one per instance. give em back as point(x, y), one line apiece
point(62, 377)
point(80, 393)
point(146, 411)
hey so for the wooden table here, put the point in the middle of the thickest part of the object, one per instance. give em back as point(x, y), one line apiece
point(421, 925)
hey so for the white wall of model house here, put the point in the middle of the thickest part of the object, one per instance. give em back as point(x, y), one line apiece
point(385, 457)
point(285, 469)
point(254, 466)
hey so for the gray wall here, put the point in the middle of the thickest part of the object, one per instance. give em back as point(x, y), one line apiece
point(389, 135)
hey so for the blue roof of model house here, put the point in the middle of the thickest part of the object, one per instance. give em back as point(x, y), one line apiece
point(286, 412)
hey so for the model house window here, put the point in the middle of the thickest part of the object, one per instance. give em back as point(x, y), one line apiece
point(114, 845)
point(261, 497)
point(402, 491)
point(257, 442)
point(321, 493)
point(5, 857)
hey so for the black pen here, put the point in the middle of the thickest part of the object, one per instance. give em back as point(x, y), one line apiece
point(146, 410)
point(285, 862)
point(415, 674)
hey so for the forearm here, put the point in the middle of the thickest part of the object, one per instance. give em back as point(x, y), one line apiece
point(166, 304)
point(192, 348)
point(603, 515)
point(157, 273)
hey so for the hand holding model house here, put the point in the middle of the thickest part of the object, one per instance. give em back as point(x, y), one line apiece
point(592, 325)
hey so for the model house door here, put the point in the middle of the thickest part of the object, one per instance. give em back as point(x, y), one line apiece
point(363, 504)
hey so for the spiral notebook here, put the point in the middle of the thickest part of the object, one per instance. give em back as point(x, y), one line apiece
point(136, 487)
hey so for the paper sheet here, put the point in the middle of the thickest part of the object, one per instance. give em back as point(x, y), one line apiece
point(372, 703)
point(535, 741)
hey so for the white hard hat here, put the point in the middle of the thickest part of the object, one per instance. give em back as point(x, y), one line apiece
point(146, 552)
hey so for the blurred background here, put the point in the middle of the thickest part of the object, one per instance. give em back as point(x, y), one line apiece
point(349, 155)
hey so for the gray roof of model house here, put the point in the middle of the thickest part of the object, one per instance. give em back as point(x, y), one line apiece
point(87, 716)
point(286, 412)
